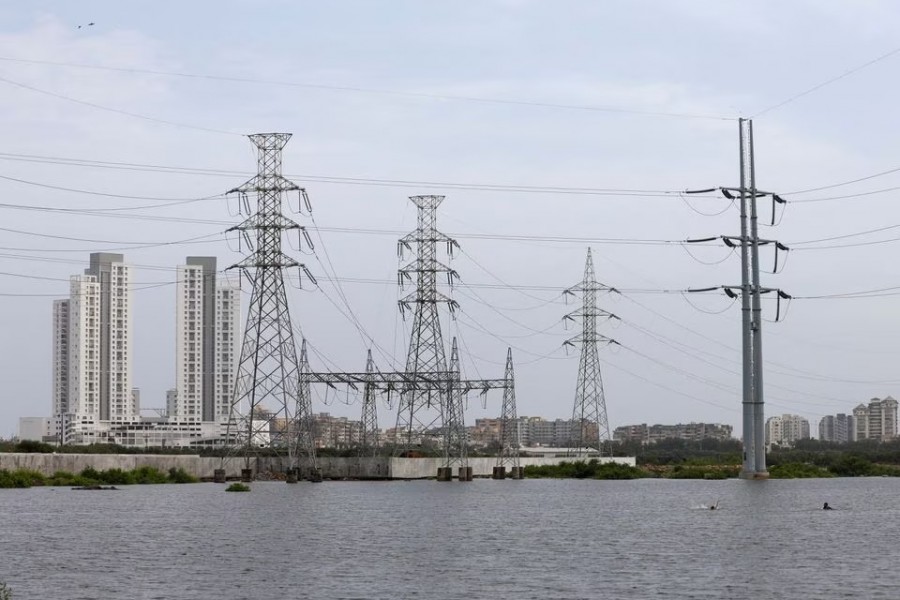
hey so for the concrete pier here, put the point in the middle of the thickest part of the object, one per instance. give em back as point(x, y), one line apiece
point(444, 474)
point(291, 475)
point(465, 474)
point(246, 475)
point(499, 473)
point(219, 476)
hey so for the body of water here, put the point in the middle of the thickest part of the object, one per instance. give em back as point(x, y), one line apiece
point(532, 539)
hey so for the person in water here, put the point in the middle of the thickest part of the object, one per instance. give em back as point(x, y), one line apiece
point(826, 507)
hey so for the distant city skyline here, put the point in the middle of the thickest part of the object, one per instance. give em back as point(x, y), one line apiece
point(549, 130)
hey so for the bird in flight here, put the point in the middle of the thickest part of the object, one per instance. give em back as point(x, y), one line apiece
point(91, 24)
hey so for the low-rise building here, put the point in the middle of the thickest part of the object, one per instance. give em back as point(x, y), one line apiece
point(648, 434)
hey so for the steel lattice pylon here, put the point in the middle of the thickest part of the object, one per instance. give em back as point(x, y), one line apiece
point(268, 408)
point(454, 429)
point(421, 408)
point(368, 443)
point(509, 422)
point(589, 419)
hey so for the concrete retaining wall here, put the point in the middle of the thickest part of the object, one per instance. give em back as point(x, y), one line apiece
point(201, 466)
point(423, 468)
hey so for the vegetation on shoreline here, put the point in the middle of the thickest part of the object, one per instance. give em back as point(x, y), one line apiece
point(25, 478)
point(669, 458)
point(846, 466)
point(238, 487)
point(584, 470)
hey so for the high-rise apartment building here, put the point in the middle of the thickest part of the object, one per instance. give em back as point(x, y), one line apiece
point(877, 421)
point(60, 357)
point(786, 429)
point(92, 351)
point(206, 343)
point(837, 428)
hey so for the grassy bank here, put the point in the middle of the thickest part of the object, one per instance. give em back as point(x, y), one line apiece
point(24, 478)
point(849, 466)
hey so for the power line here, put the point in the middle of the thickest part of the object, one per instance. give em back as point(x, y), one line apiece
point(96, 241)
point(168, 201)
point(842, 183)
point(111, 109)
point(819, 86)
point(358, 89)
point(846, 196)
point(403, 183)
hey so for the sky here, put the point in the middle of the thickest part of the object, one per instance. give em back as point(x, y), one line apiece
point(524, 114)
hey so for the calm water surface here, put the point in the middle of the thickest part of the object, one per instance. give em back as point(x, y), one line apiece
point(486, 539)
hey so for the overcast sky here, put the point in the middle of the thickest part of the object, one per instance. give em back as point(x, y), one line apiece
point(400, 91)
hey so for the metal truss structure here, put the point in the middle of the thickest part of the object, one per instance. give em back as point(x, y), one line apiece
point(431, 392)
point(268, 409)
point(589, 413)
point(509, 422)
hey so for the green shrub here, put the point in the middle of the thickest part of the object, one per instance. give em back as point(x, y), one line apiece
point(237, 487)
point(91, 473)
point(583, 470)
point(13, 480)
point(148, 475)
point(116, 477)
point(5, 592)
point(703, 472)
point(618, 471)
point(852, 466)
point(66, 479)
point(798, 471)
point(179, 475)
point(34, 447)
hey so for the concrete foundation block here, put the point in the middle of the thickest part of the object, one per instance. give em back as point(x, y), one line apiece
point(499, 473)
point(246, 475)
point(444, 474)
point(219, 476)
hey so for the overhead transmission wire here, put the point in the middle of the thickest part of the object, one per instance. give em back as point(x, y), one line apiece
point(363, 231)
point(359, 89)
point(367, 339)
point(168, 201)
point(827, 82)
point(110, 109)
point(237, 173)
point(662, 339)
point(96, 241)
point(769, 363)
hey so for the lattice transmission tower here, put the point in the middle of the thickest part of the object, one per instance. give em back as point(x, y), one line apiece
point(423, 407)
point(589, 420)
point(508, 457)
point(268, 408)
point(456, 451)
point(432, 394)
point(368, 443)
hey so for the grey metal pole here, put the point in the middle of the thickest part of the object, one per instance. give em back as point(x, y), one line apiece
point(749, 467)
point(756, 327)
